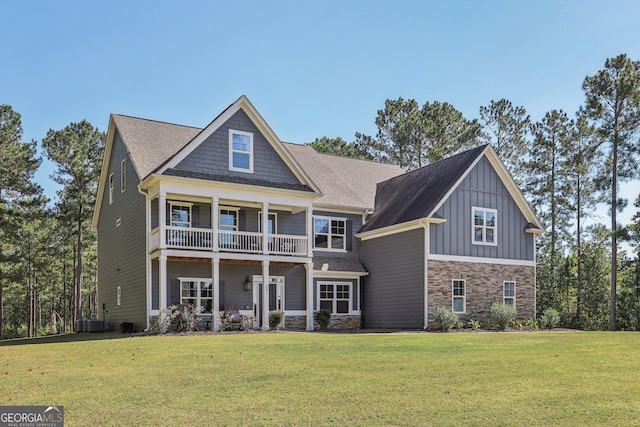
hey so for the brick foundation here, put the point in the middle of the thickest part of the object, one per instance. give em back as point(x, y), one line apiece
point(484, 286)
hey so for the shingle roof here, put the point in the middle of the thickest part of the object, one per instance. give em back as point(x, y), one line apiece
point(235, 179)
point(415, 194)
point(149, 142)
point(337, 264)
point(343, 181)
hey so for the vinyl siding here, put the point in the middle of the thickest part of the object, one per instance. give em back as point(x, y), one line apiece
point(482, 188)
point(121, 249)
point(393, 292)
point(212, 156)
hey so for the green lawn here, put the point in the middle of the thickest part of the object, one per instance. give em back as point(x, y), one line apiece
point(520, 378)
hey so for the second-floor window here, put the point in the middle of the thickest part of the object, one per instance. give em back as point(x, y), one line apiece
point(110, 188)
point(329, 233)
point(484, 226)
point(123, 176)
point(180, 215)
point(240, 151)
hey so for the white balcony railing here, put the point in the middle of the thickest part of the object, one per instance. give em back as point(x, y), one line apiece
point(228, 241)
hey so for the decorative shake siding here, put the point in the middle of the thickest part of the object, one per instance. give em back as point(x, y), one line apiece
point(484, 286)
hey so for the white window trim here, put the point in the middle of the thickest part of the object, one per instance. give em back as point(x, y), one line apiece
point(181, 204)
point(119, 295)
point(231, 151)
point(504, 292)
point(230, 209)
point(275, 222)
point(110, 188)
point(123, 176)
point(484, 227)
point(329, 234)
point(199, 280)
point(351, 290)
point(464, 297)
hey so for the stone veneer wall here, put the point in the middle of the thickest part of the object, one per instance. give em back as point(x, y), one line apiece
point(336, 322)
point(484, 286)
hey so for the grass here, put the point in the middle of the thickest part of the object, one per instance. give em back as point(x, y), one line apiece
point(523, 378)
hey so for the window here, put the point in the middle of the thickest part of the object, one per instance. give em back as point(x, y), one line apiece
point(228, 222)
point(329, 233)
point(484, 226)
point(180, 215)
point(123, 176)
point(110, 188)
point(335, 297)
point(118, 295)
point(271, 225)
point(510, 293)
point(459, 303)
point(197, 292)
point(240, 151)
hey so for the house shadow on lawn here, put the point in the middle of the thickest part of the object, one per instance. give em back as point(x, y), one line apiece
point(60, 338)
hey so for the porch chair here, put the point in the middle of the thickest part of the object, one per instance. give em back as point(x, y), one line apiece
point(237, 319)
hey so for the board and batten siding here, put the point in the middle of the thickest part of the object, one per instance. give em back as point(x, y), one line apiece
point(212, 155)
point(482, 188)
point(122, 247)
point(393, 292)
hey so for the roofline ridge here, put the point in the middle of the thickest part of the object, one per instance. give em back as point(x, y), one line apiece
point(156, 121)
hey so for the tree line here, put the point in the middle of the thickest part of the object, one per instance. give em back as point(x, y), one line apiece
point(47, 252)
point(565, 166)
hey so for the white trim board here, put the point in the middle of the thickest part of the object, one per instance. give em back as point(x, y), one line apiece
point(480, 260)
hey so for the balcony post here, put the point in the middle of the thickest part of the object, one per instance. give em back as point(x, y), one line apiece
point(162, 219)
point(215, 219)
point(266, 278)
point(309, 267)
point(309, 231)
point(265, 228)
point(215, 264)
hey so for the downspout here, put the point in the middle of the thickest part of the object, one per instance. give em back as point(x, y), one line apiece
point(425, 225)
point(146, 255)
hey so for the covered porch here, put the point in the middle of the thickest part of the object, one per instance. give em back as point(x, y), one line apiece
point(252, 287)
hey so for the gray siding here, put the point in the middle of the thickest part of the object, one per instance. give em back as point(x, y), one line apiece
point(354, 223)
point(481, 188)
point(212, 156)
point(121, 249)
point(393, 292)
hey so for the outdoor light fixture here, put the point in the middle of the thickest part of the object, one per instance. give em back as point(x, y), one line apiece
point(247, 284)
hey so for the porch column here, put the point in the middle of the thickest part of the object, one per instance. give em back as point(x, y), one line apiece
point(162, 219)
point(162, 281)
point(265, 228)
point(215, 275)
point(265, 295)
point(309, 231)
point(309, 267)
point(215, 219)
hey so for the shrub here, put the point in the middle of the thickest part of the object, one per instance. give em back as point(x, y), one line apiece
point(532, 324)
point(474, 324)
point(275, 318)
point(322, 316)
point(501, 315)
point(446, 318)
point(189, 317)
point(162, 323)
point(247, 322)
point(224, 320)
point(550, 318)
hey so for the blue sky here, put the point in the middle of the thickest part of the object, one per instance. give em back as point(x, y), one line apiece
point(312, 68)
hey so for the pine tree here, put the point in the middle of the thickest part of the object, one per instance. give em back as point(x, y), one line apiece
point(613, 105)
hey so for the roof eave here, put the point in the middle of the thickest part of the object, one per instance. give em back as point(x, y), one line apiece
point(398, 228)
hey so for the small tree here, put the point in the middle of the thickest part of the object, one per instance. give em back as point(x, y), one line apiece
point(275, 318)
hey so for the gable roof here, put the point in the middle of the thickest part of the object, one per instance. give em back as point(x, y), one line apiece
point(420, 193)
point(344, 181)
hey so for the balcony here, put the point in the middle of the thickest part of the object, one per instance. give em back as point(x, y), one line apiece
point(200, 239)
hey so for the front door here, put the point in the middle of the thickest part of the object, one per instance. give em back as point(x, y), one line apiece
point(276, 297)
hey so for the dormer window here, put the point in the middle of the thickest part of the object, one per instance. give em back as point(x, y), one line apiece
point(240, 151)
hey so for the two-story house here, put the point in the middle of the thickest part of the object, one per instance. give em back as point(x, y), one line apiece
point(229, 215)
